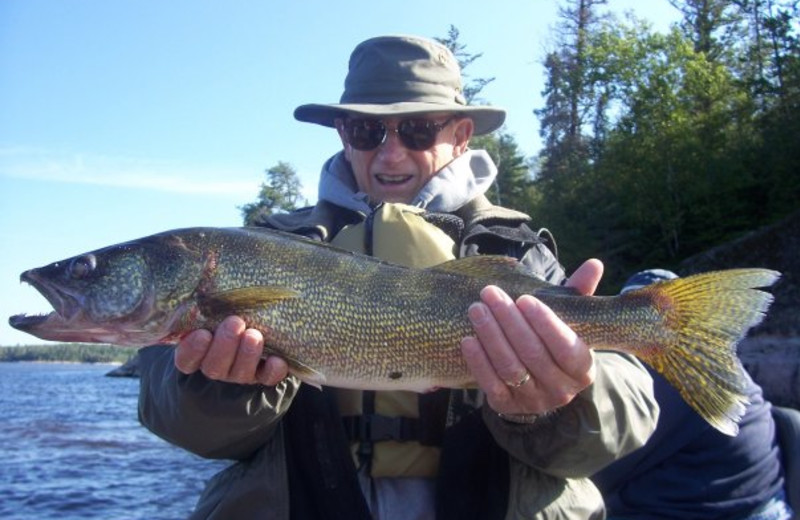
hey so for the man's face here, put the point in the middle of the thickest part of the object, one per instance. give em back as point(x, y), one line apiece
point(392, 172)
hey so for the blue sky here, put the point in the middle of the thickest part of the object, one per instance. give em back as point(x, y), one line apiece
point(123, 118)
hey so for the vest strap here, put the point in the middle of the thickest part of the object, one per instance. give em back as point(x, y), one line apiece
point(428, 429)
point(377, 428)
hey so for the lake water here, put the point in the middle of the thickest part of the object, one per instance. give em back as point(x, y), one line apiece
point(71, 447)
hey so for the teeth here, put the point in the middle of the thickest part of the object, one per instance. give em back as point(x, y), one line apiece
point(393, 179)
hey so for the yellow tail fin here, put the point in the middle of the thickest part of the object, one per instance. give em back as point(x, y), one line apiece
point(709, 314)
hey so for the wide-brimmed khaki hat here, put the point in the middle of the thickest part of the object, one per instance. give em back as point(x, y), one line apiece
point(391, 76)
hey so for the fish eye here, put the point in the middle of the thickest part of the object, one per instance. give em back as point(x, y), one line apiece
point(81, 266)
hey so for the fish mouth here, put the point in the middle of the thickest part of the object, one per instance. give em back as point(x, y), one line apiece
point(66, 306)
point(72, 321)
point(26, 322)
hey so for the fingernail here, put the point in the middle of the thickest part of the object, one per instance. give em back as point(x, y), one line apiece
point(478, 314)
point(199, 340)
point(494, 296)
point(251, 342)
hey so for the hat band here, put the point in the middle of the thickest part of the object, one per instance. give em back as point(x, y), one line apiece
point(378, 93)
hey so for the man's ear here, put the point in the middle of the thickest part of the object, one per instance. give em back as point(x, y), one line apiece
point(463, 133)
point(345, 145)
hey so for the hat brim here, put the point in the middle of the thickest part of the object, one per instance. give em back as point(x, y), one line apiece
point(486, 118)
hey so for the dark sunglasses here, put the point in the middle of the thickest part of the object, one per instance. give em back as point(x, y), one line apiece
point(416, 134)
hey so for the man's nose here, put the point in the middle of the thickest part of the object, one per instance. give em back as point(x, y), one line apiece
point(392, 148)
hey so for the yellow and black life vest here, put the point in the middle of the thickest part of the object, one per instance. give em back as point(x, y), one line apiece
point(385, 426)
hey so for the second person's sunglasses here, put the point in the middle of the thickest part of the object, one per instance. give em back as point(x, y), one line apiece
point(416, 133)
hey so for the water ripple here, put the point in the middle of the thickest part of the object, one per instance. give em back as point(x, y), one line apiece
point(72, 448)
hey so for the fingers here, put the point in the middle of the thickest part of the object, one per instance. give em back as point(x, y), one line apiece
point(224, 348)
point(586, 277)
point(191, 350)
point(247, 357)
point(479, 363)
point(500, 331)
point(514, 339)
point(232, 354)
point(567, 351)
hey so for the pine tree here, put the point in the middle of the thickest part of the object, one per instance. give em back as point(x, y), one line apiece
point(281, 193)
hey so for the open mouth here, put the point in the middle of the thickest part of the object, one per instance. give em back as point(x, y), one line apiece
point(393, 180)
point(25, 322)
point(65, 306)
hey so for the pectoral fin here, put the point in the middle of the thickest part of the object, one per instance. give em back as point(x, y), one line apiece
point(242, 299)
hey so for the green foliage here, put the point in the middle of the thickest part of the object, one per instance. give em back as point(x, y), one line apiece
point(281, 192)
point(67, 352)
point(513, 183)
point(679, 145)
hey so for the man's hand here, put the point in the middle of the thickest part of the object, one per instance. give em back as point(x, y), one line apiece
point(232, 354)
point(523, 356)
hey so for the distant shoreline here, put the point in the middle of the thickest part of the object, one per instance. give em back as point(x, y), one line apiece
point(61, 362)
point(67, 353)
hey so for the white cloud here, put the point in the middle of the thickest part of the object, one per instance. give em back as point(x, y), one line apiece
point(127, 172)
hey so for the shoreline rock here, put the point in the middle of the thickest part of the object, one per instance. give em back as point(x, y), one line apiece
point(130, 368)
point(772, 362)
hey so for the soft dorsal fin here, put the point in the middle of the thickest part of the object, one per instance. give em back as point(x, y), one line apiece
point(503, 270)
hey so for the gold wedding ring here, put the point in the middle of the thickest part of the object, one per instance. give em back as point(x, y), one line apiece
point(519, 383)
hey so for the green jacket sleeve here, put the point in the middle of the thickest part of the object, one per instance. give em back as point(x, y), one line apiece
point(208, 418)
point(612, 417)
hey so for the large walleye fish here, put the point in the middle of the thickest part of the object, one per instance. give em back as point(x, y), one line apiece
point(348, 320)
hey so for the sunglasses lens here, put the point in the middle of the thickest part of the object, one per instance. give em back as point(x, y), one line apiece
point(417, 134)
point(365, 134)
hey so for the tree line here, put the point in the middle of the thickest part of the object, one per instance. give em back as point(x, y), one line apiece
point(655, 146)
point(67, 352)
point(659, 146)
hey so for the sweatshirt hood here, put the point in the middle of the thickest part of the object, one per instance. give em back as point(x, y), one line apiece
point(464, 178)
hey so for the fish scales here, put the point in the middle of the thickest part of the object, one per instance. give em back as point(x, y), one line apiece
point(349, 320)
point(372, 320)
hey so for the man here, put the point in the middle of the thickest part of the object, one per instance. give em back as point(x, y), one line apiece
point(407, 188)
